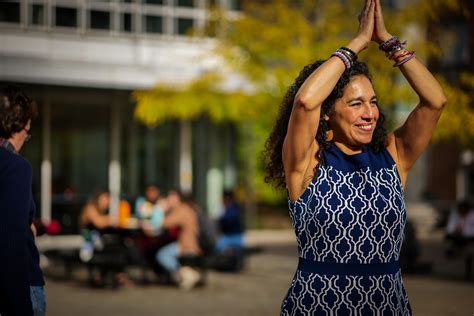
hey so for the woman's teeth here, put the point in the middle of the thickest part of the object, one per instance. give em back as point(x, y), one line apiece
point(365, 127)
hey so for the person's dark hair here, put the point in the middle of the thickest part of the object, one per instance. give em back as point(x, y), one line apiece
point(274, 144)
point(229, 194)
point(464, 206)
point(177, 191)
point(94, 199)
point(16, 109)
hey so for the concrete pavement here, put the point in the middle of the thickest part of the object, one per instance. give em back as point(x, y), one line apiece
point(258, 290)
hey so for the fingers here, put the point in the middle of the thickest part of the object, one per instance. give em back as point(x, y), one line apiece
point(365, 10)
point(368, 8)
point(372, 7)
point(378, 7)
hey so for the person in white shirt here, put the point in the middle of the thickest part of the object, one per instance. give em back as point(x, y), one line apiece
point(461, 221)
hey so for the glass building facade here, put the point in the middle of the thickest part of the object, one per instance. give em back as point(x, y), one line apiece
point(81, 60)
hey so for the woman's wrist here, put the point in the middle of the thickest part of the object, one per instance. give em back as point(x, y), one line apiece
point(357, 45)
point(385, 37)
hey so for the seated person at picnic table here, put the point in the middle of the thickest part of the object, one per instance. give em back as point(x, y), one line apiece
point(95, 213)
point(460, 228)
point(177, 214)
point(95, 220)
point(230, 224)
point(148, 209)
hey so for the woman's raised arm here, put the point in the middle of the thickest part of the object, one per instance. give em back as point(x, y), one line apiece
point(411, 139)
point(300, 146)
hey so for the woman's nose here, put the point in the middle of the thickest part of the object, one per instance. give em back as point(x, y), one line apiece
point(369, 112)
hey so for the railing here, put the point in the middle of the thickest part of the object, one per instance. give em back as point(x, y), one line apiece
point(113, 17)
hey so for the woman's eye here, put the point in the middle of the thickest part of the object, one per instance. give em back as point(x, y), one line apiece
point(355, 104)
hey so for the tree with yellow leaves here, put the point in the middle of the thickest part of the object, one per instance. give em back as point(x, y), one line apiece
point(273, 40)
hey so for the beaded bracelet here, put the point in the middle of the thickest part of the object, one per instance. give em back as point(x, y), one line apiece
point(393, 51)
point(402, 55)
point(344, 59)
point(349, 52)
point(385, 46)
point(347, 55)
point(392, 46)
point(409, 57)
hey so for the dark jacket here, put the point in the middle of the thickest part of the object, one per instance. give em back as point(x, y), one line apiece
point(36, 275)
point(230, 222)
point(15, 203)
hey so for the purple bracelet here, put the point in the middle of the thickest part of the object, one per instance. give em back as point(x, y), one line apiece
point(401, 62)
point(392, 41)
point(344, 59)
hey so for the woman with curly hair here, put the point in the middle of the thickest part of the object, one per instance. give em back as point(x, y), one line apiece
point(345, 176)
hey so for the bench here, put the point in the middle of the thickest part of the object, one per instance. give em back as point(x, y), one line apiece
point(462, 247)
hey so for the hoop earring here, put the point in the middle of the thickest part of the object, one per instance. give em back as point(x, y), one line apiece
point(329, 135)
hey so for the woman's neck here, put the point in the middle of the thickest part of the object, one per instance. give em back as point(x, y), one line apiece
point(348, 149)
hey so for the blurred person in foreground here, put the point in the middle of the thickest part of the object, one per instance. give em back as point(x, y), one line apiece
point(21, 279)
point(345, 176)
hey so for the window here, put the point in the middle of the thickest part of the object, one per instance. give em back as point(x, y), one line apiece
point(185, 3)
point(154, 158)
point(66, 17)
point(185, 26)
point(153, 24)
point(126, 22)
point(153, 1)
point(99, 20)
point(10, 12)
point(470, 182)
point(235, 5)
point(74, 179)
point(171, 17)
point(37, 14)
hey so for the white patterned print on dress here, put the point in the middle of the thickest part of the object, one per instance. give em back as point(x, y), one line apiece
point(353, 217)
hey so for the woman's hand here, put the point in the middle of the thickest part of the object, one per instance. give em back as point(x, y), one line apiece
point(366, 27)
point(380, 33)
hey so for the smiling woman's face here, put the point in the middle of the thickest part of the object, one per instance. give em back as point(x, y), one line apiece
point(354, 115)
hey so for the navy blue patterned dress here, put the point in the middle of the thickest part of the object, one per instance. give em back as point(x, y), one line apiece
point(349, 227)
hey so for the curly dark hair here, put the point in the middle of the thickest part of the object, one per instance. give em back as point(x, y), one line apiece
point(274, 144)
point(16, 109)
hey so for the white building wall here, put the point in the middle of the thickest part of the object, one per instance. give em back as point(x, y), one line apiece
point(106, 62)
